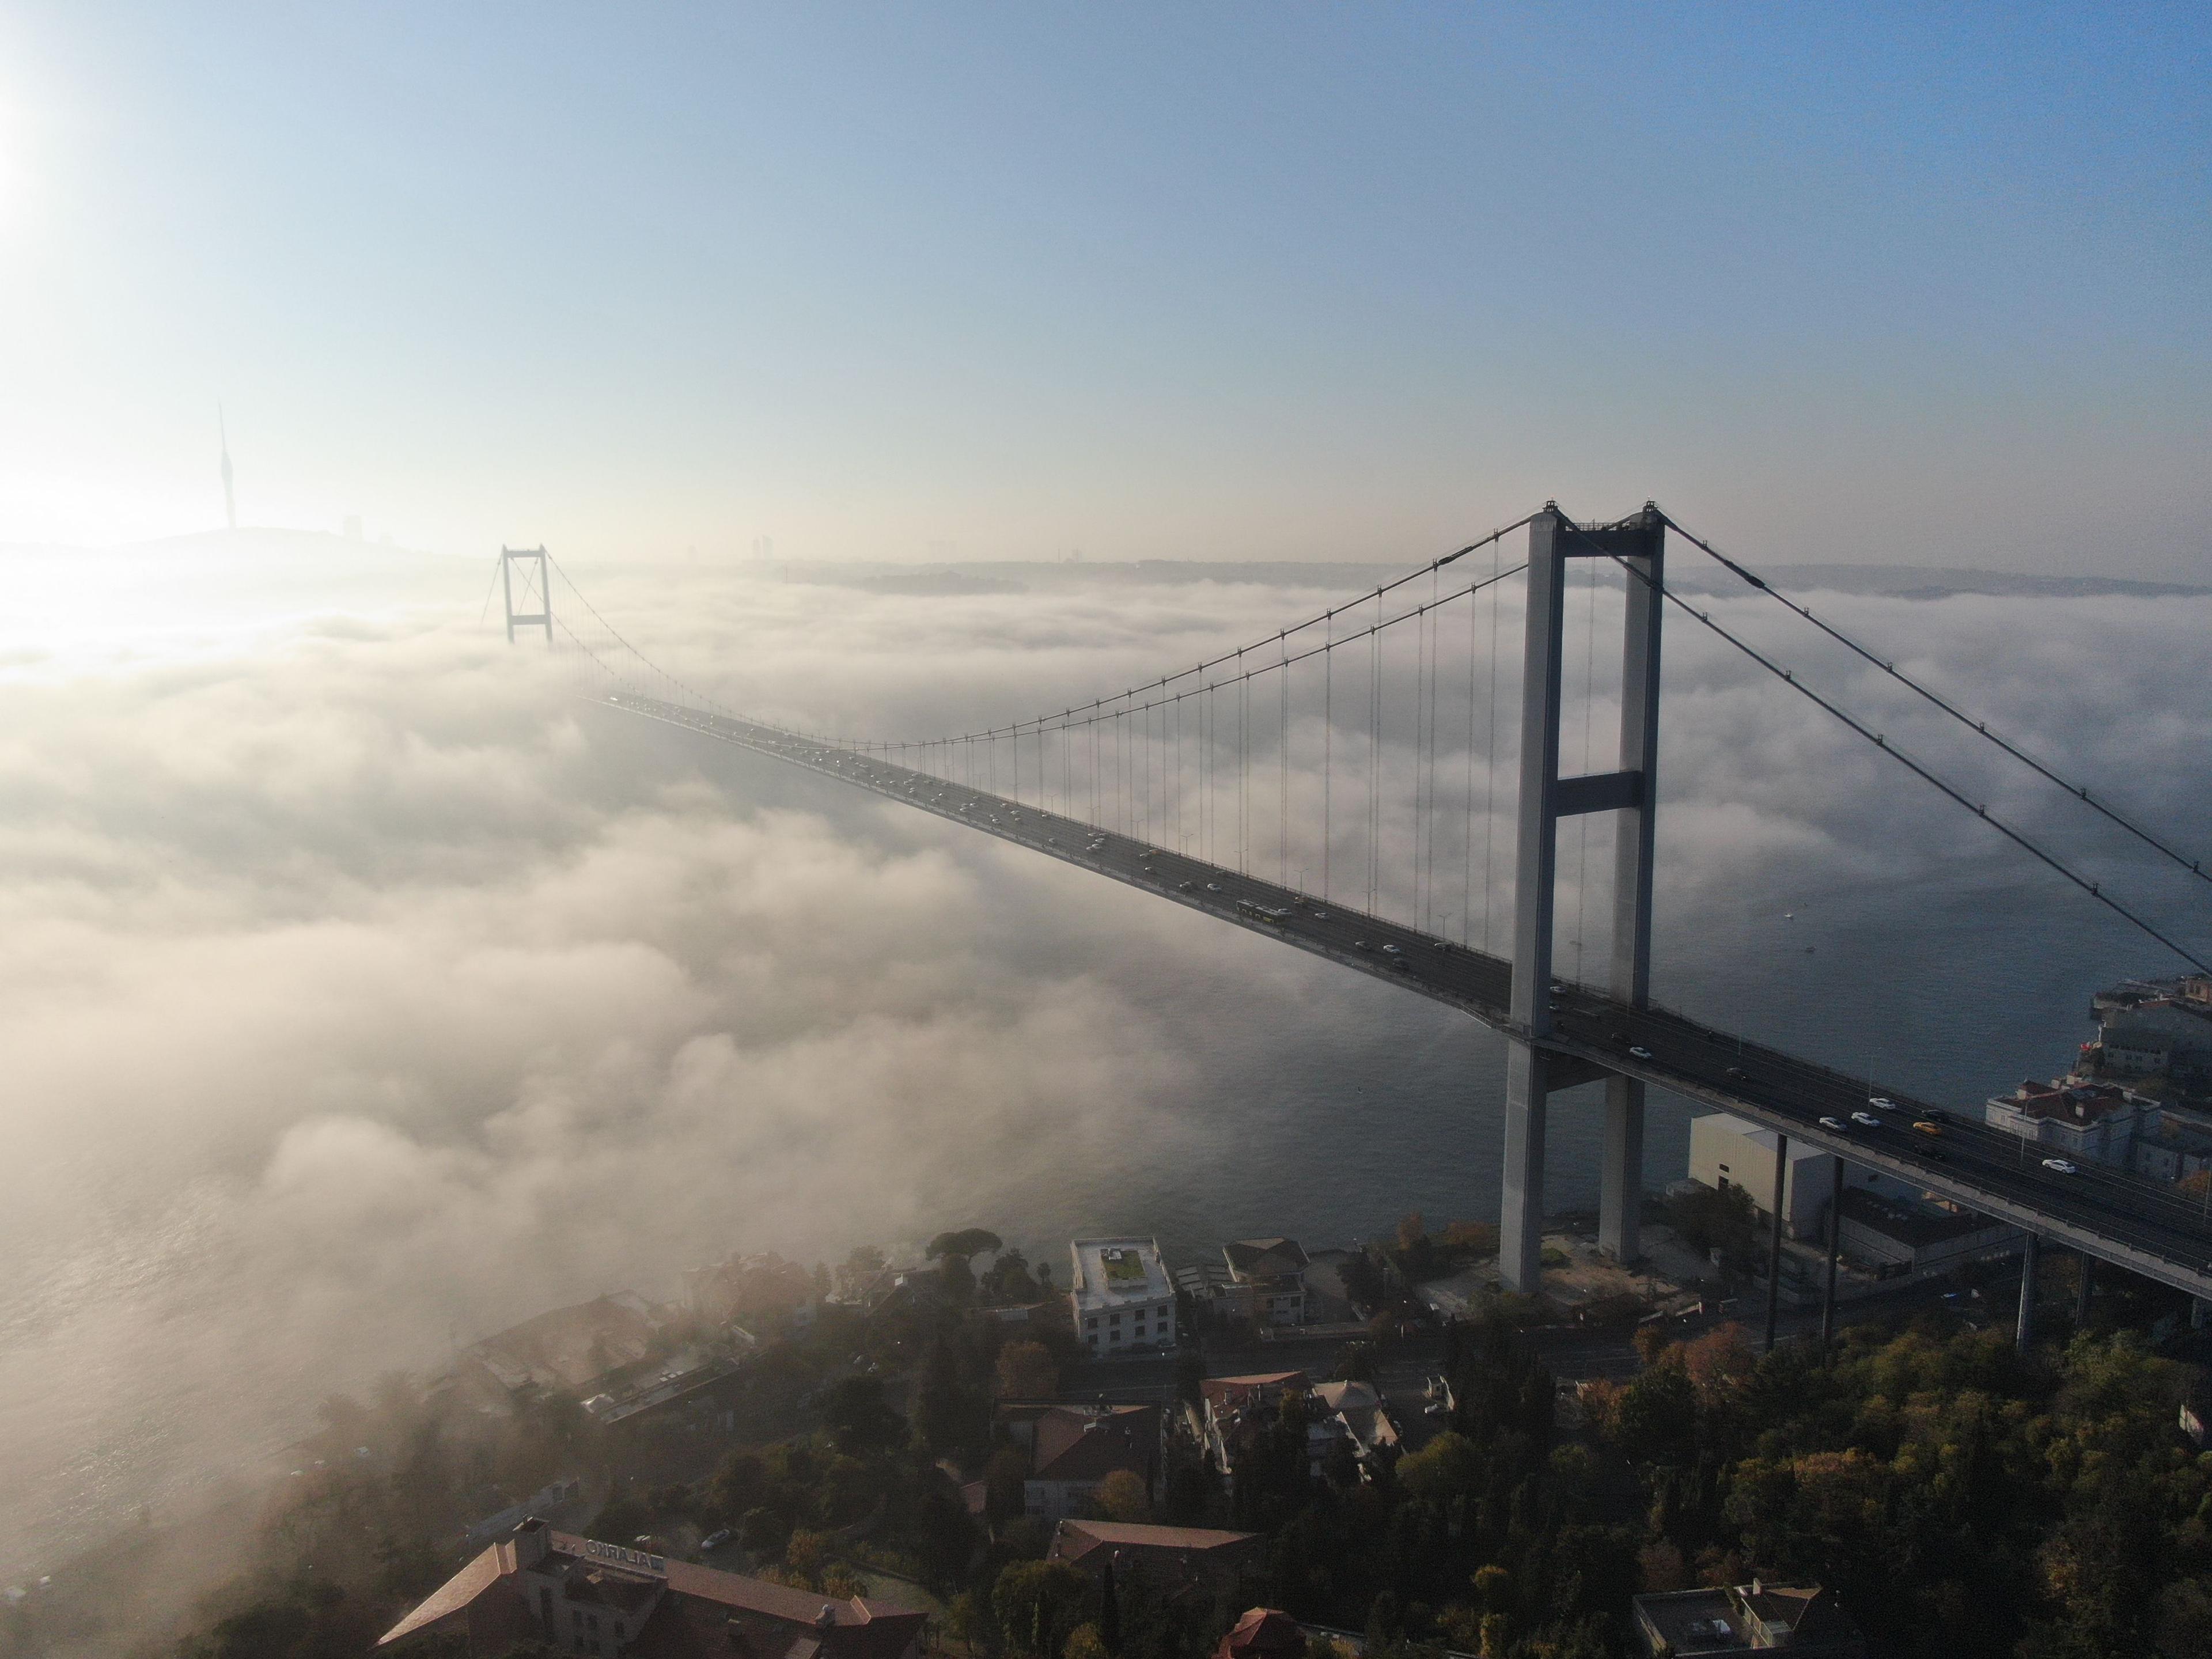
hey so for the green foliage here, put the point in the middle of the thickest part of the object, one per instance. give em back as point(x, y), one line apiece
point(1724, 1219)
point(963, 1242)
point(859, 1420)
point(1038, 1605)
point(307, 1621)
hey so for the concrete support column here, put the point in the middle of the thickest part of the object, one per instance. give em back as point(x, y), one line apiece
point(1835, 1249)
point(2024, 1332)
point(1774, 1241)
point(1521, 1224)
point(1621, 1195)
point(1520, 1228)
point(2084, 1291)
point(1620, 1177)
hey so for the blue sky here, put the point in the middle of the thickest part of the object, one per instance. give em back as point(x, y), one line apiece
point(1231, 280)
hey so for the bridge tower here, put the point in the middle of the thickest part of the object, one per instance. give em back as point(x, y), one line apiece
point(1532, 1070)
point(538, 581)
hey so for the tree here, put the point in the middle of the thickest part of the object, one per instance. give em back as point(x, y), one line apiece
point(1446, 1467)
point(1121, 1495)
point(1190, 1376)
point(965, 1243)
point(764, 1533)
point(859, 1420)
point(1006, 1487)
point(1027, 1372)
point(1038, 1603)
point(1109, 1610)
point(738, 1484)
point(947, 1412)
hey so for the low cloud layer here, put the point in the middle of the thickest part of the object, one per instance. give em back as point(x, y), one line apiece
point(365, 990)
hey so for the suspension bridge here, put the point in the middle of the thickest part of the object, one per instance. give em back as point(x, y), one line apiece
point(1381, 853)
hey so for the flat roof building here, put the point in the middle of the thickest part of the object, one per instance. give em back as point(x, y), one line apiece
point(1745, 1618)
point(1121, 1298)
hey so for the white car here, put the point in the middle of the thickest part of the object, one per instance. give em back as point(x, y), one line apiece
point(1881, 1103)
point(1639, 1051)
point(1391, 951)
point(1835, 1123)
point(2061, 1165)
point(1866, 1119)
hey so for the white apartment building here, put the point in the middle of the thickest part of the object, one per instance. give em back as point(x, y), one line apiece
point(1122, 1299)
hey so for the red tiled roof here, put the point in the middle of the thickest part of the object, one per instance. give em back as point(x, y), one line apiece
point(454, 1595)
point(1220, 1389)
point(1076, 1442)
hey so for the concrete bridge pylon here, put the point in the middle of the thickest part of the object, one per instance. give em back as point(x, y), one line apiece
point(1628, 792)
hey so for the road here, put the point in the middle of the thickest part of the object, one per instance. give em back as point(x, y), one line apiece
point(2118, 1217)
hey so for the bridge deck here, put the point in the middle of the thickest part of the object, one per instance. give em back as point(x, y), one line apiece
point(2117, 1217)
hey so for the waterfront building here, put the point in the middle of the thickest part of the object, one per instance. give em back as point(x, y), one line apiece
point(2084, 1122)
point(1122, 1299)
point(1266, 1280)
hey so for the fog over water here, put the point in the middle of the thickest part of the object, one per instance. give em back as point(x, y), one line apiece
point(366, 990)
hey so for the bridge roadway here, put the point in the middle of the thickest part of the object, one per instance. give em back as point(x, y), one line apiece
point(2117, 1217)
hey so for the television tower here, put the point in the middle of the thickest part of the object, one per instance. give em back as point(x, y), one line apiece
point(229, 501)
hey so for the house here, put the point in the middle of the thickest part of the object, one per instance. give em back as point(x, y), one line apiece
point(1721, 1622)
point(1171, 1558)
point(566, 1351)
point(1232, 1394)
point(2088, 1122)
point(1123, 1301)
point(1071, 1449)
point(580, 1596)
point(1266, 1280)
point(2168, 1035)
point(1263, 1633)
point(1354, 1415)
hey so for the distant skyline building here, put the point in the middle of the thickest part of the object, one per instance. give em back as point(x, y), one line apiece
point(229, 501)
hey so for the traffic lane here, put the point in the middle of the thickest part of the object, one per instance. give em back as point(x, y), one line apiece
point(2129, 1210)
point(2135, 1213)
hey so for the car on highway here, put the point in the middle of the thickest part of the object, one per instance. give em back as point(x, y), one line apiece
point(2061, 1166)
point(1837, 1124)
point(1926, 1128)
point(1639, 1051)
point(1360, 944)
point(1866, 1119)
point(1881, 1103)
point(1186, 887)
point(1214, 887)
point(1392, 951)
point(1734, 1074)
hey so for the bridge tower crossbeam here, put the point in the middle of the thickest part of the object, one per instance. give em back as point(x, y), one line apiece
point(1532, 1070)
point(540, 583)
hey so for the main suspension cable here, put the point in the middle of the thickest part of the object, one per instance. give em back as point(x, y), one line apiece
point(1788, 677)
point(2080, 791)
